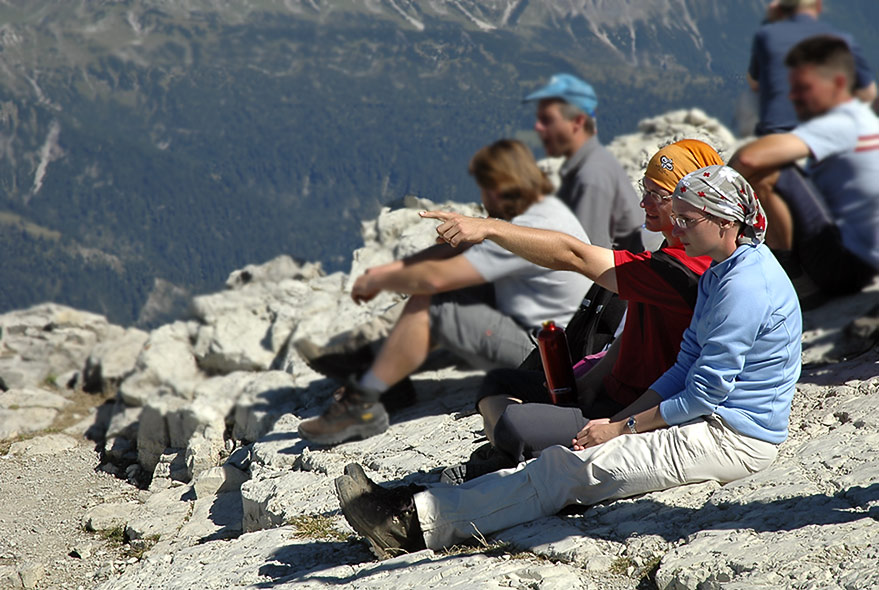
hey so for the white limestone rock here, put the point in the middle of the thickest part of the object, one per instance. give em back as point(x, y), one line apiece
point(166, 366)
point(219, 480)
point(246, 327)
point(274, 271)
point(161, 516)
point(27, 410)
point(153, 433)
point(104, 517)
point(284, 560)
point(48, 444)
point(112, 360)
point(272, 499)
point(170, 470)
point(48, 340)
point(263, 401)
point(236, 342)
point(213, 517)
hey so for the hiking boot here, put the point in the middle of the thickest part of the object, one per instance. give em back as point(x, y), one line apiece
point(485, 459)
point(385, 516)
point(356, 473)
point(336, 362)
point(341, 363)
point(353, 414)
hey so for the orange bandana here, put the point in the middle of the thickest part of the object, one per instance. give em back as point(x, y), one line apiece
point(673, 162)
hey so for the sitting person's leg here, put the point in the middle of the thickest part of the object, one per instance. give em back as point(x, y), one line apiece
point(817, 240)
point(466, 323)
point(528, 422)
point(703, 450)
point(502, 387)
point(524, 430)
point(628, 465)
point(356, 411)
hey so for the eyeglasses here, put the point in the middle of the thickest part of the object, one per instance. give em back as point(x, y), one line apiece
point(654, 197)
point(686, 222)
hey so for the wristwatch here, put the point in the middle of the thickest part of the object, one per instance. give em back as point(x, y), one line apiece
point(631, 424)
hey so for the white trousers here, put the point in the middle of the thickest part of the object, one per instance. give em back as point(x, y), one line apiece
point(702, 450)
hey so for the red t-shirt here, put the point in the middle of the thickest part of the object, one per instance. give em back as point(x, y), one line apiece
point(661, 289)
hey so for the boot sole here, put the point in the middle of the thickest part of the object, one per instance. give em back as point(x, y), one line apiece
point(356, 473)
point(348, 490)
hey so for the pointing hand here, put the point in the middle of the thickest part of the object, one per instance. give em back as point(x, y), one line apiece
point(457, 229)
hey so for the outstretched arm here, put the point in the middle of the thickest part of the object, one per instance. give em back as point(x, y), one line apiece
point(551, 249)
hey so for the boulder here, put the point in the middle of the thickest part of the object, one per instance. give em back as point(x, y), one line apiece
point(27, 410)
point(48, 444)
point(112, 360)
point(39, 344)
point(165, 366)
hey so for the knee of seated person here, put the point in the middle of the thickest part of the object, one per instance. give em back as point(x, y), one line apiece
point(507, 437)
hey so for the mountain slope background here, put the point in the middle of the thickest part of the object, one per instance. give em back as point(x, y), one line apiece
point(152, 141)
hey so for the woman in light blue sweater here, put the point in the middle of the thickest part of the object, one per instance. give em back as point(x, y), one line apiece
point(718, 414)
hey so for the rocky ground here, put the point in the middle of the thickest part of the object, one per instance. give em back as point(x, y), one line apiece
point(169, 459)
point(46, 485)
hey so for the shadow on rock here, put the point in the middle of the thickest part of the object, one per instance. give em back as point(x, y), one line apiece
point(450, 396)
point(648, 517)
point(302, 561)
point(299, 557)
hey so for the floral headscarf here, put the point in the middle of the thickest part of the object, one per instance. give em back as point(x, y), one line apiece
point(722, 192)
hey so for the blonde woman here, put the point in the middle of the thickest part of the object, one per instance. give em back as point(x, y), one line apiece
point(482, 303)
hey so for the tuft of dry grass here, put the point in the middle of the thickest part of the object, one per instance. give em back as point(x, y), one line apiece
point(315, 526)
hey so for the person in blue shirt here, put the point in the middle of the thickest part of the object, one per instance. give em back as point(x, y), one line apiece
point(717, 415)
point(788, 23)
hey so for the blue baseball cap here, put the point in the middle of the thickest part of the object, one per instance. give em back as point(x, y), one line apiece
point(570, 89)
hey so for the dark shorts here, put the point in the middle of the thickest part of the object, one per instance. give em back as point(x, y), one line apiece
point(525, 430)
point(817, 240)
point(466, 323)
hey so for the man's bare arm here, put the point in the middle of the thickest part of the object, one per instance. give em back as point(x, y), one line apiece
point(547, 248)
point(427, 277)
point(768, 154)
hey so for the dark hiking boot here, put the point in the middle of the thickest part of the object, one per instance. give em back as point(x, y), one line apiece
point(355, 472)
point(485, 459)
point(336, 362)
point(385, 516)
point(353, 414)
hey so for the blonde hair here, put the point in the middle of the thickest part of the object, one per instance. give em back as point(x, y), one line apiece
point(508, 168)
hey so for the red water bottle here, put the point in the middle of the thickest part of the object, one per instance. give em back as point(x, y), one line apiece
point(556, 358)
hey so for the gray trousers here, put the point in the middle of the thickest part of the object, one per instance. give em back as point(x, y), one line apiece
point(466, 323)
